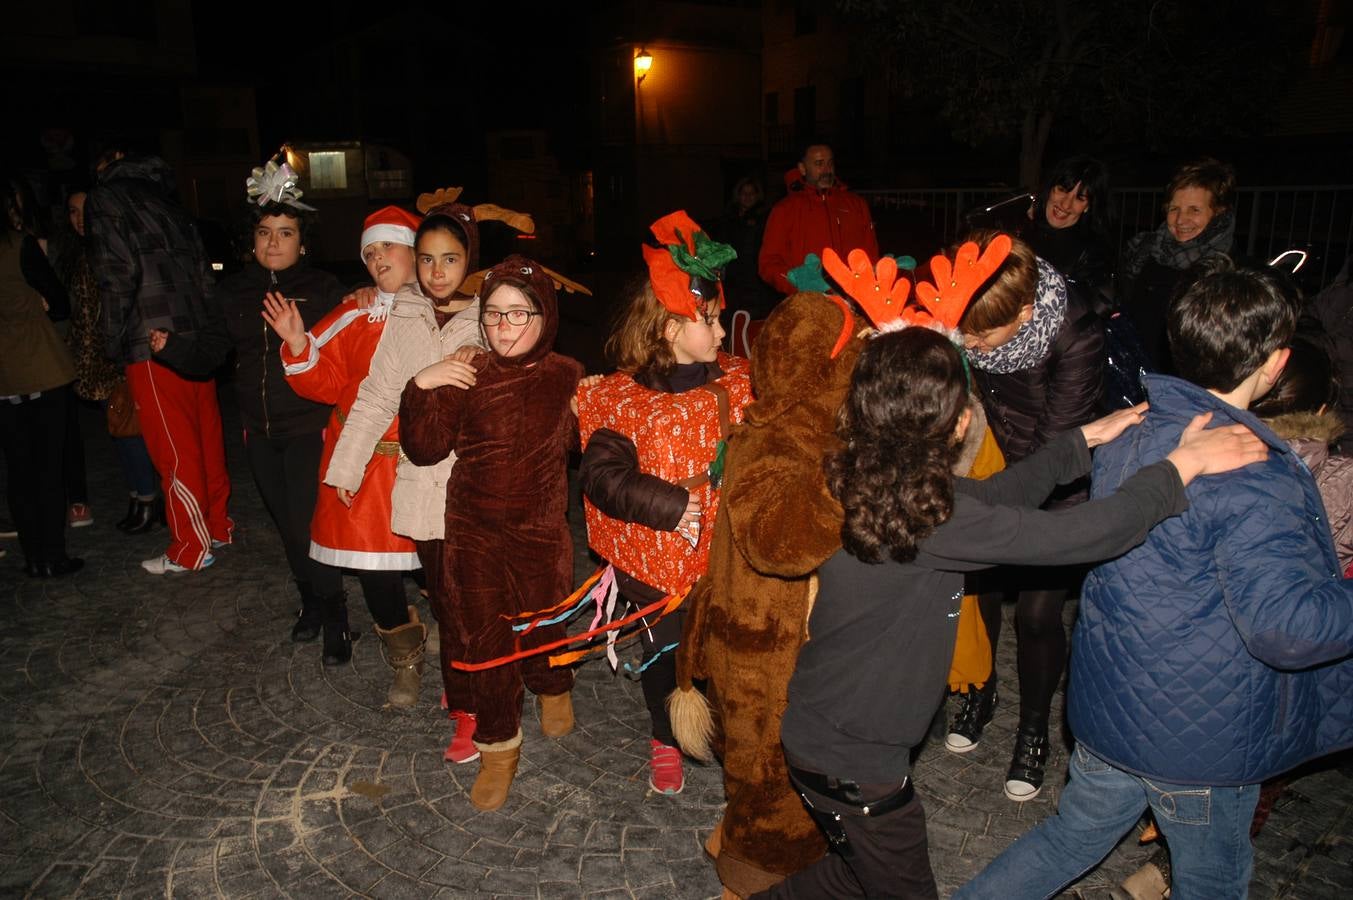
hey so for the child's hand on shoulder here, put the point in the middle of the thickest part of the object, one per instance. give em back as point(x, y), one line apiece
point(1212, 451)
point(450, 371)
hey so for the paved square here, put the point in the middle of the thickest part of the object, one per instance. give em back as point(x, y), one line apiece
point(162, 736)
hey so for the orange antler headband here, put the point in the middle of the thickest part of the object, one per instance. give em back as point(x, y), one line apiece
point(944, 302)
point(877, 289)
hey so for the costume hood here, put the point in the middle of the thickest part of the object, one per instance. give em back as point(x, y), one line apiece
point(531, 278)
point(466, 217)
point(792, 363)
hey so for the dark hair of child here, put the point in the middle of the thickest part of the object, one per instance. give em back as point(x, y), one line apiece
point(894, 479)
point(441, 222)
point(1228, 322)
point(303, 218)
point(1306, 384)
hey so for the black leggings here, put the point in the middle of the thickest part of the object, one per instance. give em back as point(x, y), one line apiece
point(1040, 648)
point(660, 678)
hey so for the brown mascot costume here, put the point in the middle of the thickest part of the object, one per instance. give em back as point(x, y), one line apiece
point(746, 618)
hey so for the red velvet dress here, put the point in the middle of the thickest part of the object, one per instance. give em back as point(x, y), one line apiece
point(507, 548)
point(330, 370)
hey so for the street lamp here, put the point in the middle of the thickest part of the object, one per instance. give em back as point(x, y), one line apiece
point(643, 61)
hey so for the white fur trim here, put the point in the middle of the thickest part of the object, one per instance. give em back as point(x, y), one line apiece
point(395, 234)
point(364, 559)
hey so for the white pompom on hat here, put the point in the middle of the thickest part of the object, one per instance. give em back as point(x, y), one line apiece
point(389, 223)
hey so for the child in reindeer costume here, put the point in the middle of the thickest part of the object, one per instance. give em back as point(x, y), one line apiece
point(652, 434)
point(747, 618)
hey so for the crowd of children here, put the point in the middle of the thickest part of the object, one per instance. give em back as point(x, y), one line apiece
point(790, 538)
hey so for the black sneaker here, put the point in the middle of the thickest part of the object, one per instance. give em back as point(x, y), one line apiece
point(974, 712)
point(1029, 765)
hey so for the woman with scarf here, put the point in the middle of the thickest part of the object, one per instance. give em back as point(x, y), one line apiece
point(1159, 265)
point(1037, 355)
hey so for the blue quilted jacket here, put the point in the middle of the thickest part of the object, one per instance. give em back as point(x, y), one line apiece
point(1217, 652)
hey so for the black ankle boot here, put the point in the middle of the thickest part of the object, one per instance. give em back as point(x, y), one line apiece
point(1029, 764)
point(311, 616)
point(975, 710)
point(147, 517)
point(337, 638)
point(123, 523)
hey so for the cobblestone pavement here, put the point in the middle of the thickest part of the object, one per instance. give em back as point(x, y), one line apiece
point(161, 736)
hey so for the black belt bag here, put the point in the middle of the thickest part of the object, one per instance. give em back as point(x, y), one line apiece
point(848, 792)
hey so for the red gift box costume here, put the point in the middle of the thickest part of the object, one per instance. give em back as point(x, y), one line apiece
point(337, 358)
point(677, 438)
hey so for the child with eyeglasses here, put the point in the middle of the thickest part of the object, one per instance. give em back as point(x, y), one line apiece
point(653, 434)
point(507, 416)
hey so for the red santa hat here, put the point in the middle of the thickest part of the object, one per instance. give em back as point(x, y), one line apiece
point(391, 224)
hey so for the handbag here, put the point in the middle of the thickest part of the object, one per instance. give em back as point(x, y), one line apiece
point(122, 420)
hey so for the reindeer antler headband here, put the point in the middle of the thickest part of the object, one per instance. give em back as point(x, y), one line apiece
point(883, 296)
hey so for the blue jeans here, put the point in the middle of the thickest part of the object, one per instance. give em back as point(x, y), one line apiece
point(1207, 829)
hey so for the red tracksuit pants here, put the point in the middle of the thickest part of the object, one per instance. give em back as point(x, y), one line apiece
point(181, 424)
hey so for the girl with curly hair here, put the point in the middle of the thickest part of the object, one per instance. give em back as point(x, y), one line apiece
point(881, 631)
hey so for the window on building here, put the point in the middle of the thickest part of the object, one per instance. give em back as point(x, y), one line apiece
point(328, 170)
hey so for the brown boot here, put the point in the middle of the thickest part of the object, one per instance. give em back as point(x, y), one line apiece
point(556, 714)
point(497, 768)
point(404, 653)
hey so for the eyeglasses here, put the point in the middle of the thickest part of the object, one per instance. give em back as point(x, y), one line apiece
point(491, 317)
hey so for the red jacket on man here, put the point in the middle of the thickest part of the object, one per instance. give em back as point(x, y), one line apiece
point(806, 221)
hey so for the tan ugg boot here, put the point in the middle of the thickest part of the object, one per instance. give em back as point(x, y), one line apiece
point(556, 714)
point(404, 653)
point(497, 768)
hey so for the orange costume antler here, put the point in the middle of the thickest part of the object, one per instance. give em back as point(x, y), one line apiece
point(957, 283)
point(877, 289)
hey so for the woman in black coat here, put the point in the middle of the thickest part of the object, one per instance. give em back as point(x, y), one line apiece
point(1067, 225)
point(1037, 355)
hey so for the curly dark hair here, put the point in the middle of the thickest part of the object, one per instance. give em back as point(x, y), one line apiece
point(894, 479)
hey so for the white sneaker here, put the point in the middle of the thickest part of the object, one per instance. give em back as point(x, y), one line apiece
point(217, 545)
point(162, 565)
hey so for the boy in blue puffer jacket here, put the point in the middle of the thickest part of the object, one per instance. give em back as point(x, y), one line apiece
point(1216, 654)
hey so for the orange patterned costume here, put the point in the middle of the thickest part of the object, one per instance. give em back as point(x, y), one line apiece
point(677, 437)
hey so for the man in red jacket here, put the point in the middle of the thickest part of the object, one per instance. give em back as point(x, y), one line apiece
point(818, 212)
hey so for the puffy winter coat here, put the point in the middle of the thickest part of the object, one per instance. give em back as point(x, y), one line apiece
point(1216, 653)
point(152, 270)
point(806, 221)
point(412, 340)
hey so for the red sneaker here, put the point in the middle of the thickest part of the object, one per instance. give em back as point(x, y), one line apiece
point(665, 774)
point(462, 748)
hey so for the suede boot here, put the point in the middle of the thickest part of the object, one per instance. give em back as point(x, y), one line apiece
point(497, 768)
point(337, 636)
point(311, 616)
point(556, 714)
point(404, 648)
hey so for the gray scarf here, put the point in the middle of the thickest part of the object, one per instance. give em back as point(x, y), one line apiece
point(1162, 246)
point(1031, 343)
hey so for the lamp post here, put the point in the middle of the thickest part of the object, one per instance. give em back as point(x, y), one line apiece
point(643, 61)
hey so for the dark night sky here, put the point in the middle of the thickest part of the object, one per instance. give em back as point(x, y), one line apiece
point(429, 78)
